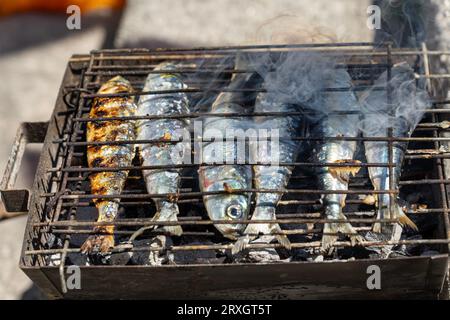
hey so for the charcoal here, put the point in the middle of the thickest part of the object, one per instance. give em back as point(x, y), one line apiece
point(397, 254)
point(413, 249)
point(77, 259)
point(198, 256)
point(120, 258)
point(150, 257)
point(378, 252)
point(301, 254)
point(99, 258)
point(54, 241)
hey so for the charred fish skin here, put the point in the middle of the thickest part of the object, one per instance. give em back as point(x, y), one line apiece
point(335, 124)
point(271, 177)
point(164, 181)
point(378, 151)
point(226, 176)
point(109, 156)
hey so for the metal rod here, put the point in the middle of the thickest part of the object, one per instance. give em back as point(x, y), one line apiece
point(150, 222)
point(210, 193)
point(316, 244)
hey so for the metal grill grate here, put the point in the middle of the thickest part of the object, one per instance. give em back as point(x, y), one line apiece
point(62, 202)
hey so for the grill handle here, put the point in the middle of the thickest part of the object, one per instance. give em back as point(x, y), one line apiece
point(16, 200)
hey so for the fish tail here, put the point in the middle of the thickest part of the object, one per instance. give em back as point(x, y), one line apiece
point(258, 230)
point(103, 241)
point(168, 211)
point(343, 173)
point(404, 221)
point(332, 229)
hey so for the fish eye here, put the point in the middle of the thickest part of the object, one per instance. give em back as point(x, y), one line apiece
point(234, 211)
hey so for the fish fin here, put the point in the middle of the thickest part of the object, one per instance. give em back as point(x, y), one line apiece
point(103, 241)
point(369, 200)
point(404, 221)
point(328, 240)
point(377, 225)
point(284, 241)
point(243, 241)
point(99, 243)
point(254, 230)
point(174, 230)
point(343, 173)
point(240, 244)
point(168, 212)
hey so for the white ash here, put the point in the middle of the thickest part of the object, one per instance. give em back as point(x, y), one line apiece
point(54, 260)
point(258, 255)
point(151, 257)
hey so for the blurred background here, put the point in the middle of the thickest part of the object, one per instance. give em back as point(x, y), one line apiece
point(35, 45)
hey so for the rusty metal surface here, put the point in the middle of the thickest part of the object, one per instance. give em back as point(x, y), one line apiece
point(416, 277)
point(28, 132)
point(61, 191)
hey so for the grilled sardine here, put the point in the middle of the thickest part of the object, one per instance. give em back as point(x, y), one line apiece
point(109, 183)
point(226, 176)
point(164, 181)
point(335, 124)
point(379, 115)
point(272, 177)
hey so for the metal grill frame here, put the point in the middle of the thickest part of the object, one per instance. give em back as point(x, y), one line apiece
point(55, 169)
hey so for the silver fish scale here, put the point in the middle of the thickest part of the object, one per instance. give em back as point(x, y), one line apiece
point(163, 180)
point(275, 177)
point(335, 125)
point(379, 115)
point(228, 176)
point(237, 176)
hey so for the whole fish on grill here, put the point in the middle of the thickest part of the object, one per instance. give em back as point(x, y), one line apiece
point(378, 116)
point(334, 123)
point(271, 177)
point(226, 176)
point(109, 183)
point(164, 181)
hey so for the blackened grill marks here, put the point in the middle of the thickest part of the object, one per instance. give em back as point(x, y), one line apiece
point(109, 156)
point(106, 107)
point(97, 162)
point(94, 149)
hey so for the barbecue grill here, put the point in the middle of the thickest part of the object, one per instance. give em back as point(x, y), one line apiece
point(61, 211)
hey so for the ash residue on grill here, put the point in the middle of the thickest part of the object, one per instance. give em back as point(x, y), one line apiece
point(300, 211)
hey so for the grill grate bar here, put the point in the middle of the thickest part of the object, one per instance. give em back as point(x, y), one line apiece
point(316, 244)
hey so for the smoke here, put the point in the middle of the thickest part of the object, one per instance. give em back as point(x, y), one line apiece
point(403, 111)
point(295, 77)
point(303, 78)
point(403, 22)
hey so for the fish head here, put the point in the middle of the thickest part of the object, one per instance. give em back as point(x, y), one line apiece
point(228, 207)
